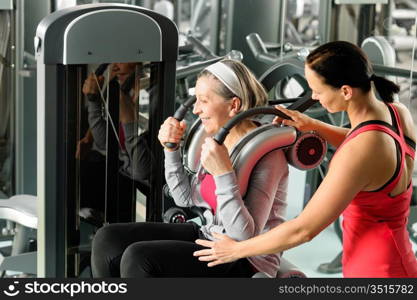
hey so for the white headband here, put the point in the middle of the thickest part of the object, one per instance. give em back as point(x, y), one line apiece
point(226, 75)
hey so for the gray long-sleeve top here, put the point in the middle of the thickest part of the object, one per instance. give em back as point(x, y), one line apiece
point(262, 208)
point(136, 158)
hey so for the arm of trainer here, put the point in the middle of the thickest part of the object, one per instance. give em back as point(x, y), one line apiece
point(348, 174)
point(332, 134)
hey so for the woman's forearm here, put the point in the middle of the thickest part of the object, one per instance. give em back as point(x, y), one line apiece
point(177, 179)
point(283, 237)
point(332, 134)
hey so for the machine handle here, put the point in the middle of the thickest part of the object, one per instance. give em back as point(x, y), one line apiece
point(180, 114)
point(301, 105)
point(220, 136)
point(98, 72)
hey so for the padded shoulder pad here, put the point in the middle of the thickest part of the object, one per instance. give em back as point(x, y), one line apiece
point(254, 145)
point(245, 154)
point(192, 146)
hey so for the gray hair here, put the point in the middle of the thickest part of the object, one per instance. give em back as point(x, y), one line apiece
point(252, 93)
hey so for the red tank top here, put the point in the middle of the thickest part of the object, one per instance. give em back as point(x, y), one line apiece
point(375, 238)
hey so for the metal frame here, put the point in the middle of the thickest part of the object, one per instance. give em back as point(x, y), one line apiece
point(57, 230)
point(325, 20)
point(23, 124)
point(6, 4)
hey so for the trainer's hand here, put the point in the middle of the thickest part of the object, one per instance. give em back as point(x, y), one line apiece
point(171, 131)
point(298, 120)
point(223, 250)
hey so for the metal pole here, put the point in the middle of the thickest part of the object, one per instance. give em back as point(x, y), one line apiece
point(283, 21)
point(384, 70)
point(325, 19)
point(18, 48)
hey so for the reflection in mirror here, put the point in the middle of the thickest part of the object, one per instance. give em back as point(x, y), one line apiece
point(105, 161)
point(109, 162)
point(113, 123)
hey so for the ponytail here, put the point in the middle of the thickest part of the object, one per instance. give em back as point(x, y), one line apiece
point(385, 88)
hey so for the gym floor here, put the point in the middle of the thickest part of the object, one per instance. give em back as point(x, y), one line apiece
point(323, 248)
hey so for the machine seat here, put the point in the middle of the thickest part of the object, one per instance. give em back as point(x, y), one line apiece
point(20, 209)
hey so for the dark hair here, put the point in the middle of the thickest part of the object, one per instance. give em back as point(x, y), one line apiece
point(342, 63)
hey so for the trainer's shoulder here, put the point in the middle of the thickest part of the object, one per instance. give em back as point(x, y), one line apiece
point(406, 120)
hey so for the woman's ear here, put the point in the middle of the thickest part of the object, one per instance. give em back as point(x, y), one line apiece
point(235, 107)
point(347, 92)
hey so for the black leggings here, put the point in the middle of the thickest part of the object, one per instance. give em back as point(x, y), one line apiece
point(155, 250)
